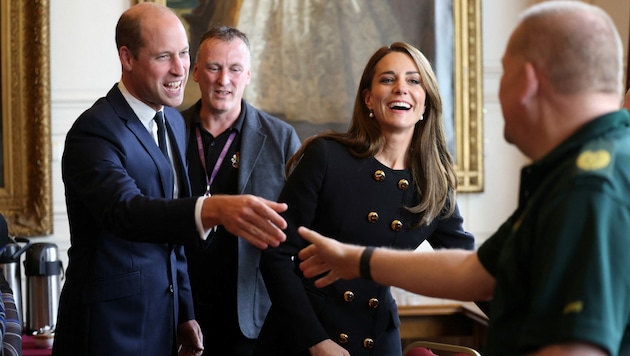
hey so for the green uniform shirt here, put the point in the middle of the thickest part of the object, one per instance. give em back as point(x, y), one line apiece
point(562, 260)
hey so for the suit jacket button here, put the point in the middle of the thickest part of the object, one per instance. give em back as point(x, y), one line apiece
point(368, 343)
point(373, 303)
point(343, 338)
point(171, 289)
point(372, 217)
point(396, 225)
point(348, 296)
point(379, 175)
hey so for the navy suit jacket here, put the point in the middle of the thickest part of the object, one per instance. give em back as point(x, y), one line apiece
point(266, 144)
point(126, 286)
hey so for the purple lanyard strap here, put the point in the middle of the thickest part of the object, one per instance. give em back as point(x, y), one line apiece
point(202, 157)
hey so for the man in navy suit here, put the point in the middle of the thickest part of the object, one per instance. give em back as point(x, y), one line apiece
point(233, 148)
point(130, 209)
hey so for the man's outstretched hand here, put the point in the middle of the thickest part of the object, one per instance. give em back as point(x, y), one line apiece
point(253, 218)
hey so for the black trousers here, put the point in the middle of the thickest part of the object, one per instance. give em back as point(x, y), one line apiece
point(221, 333)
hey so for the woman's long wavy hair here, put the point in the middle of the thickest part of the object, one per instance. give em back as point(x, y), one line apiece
point(430, 162)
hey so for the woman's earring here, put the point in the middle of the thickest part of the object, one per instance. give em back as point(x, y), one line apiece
point(371, 114)
point(421, 117)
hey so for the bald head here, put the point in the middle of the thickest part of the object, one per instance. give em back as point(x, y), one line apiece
point(154, 54)
point(129, 28)
point(574, 43)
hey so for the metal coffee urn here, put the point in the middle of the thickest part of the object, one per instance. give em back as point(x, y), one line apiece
point(43, 285)
point(10, 261)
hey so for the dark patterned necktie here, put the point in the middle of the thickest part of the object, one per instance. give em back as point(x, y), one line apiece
point(161, 131)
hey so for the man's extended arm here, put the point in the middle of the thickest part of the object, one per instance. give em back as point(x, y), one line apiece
point(452, 274)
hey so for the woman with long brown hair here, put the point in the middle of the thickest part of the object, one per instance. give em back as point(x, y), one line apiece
point(388, 181)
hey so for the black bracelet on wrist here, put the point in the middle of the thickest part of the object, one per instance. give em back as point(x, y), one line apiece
point(364, 263)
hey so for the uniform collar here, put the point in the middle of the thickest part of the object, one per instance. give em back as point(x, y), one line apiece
point(534, 174)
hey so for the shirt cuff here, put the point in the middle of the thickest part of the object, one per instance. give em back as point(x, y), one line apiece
point(203, 234)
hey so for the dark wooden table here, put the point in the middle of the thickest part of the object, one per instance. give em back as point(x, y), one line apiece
point(456, 323)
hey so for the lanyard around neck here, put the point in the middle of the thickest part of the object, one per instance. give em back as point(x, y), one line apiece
point(202, 157)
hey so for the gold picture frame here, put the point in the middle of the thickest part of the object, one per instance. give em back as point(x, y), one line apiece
point(467, 96)
point(25, 149)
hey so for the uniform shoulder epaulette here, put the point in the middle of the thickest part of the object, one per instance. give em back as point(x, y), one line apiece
point(596, 157)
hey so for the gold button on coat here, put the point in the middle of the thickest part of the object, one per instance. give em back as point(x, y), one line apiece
point(368, 343)
point(348, 296)
point(373, 303)
point(396, 225)
point(343, 338)
point(403, 184)
point(379, 175)
point(373, 217)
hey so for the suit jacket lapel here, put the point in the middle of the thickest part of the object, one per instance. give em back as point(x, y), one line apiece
point(134, 124)
point(178, 147)
point(250, 151)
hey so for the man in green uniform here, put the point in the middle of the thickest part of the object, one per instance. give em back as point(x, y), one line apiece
point(556, 272)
